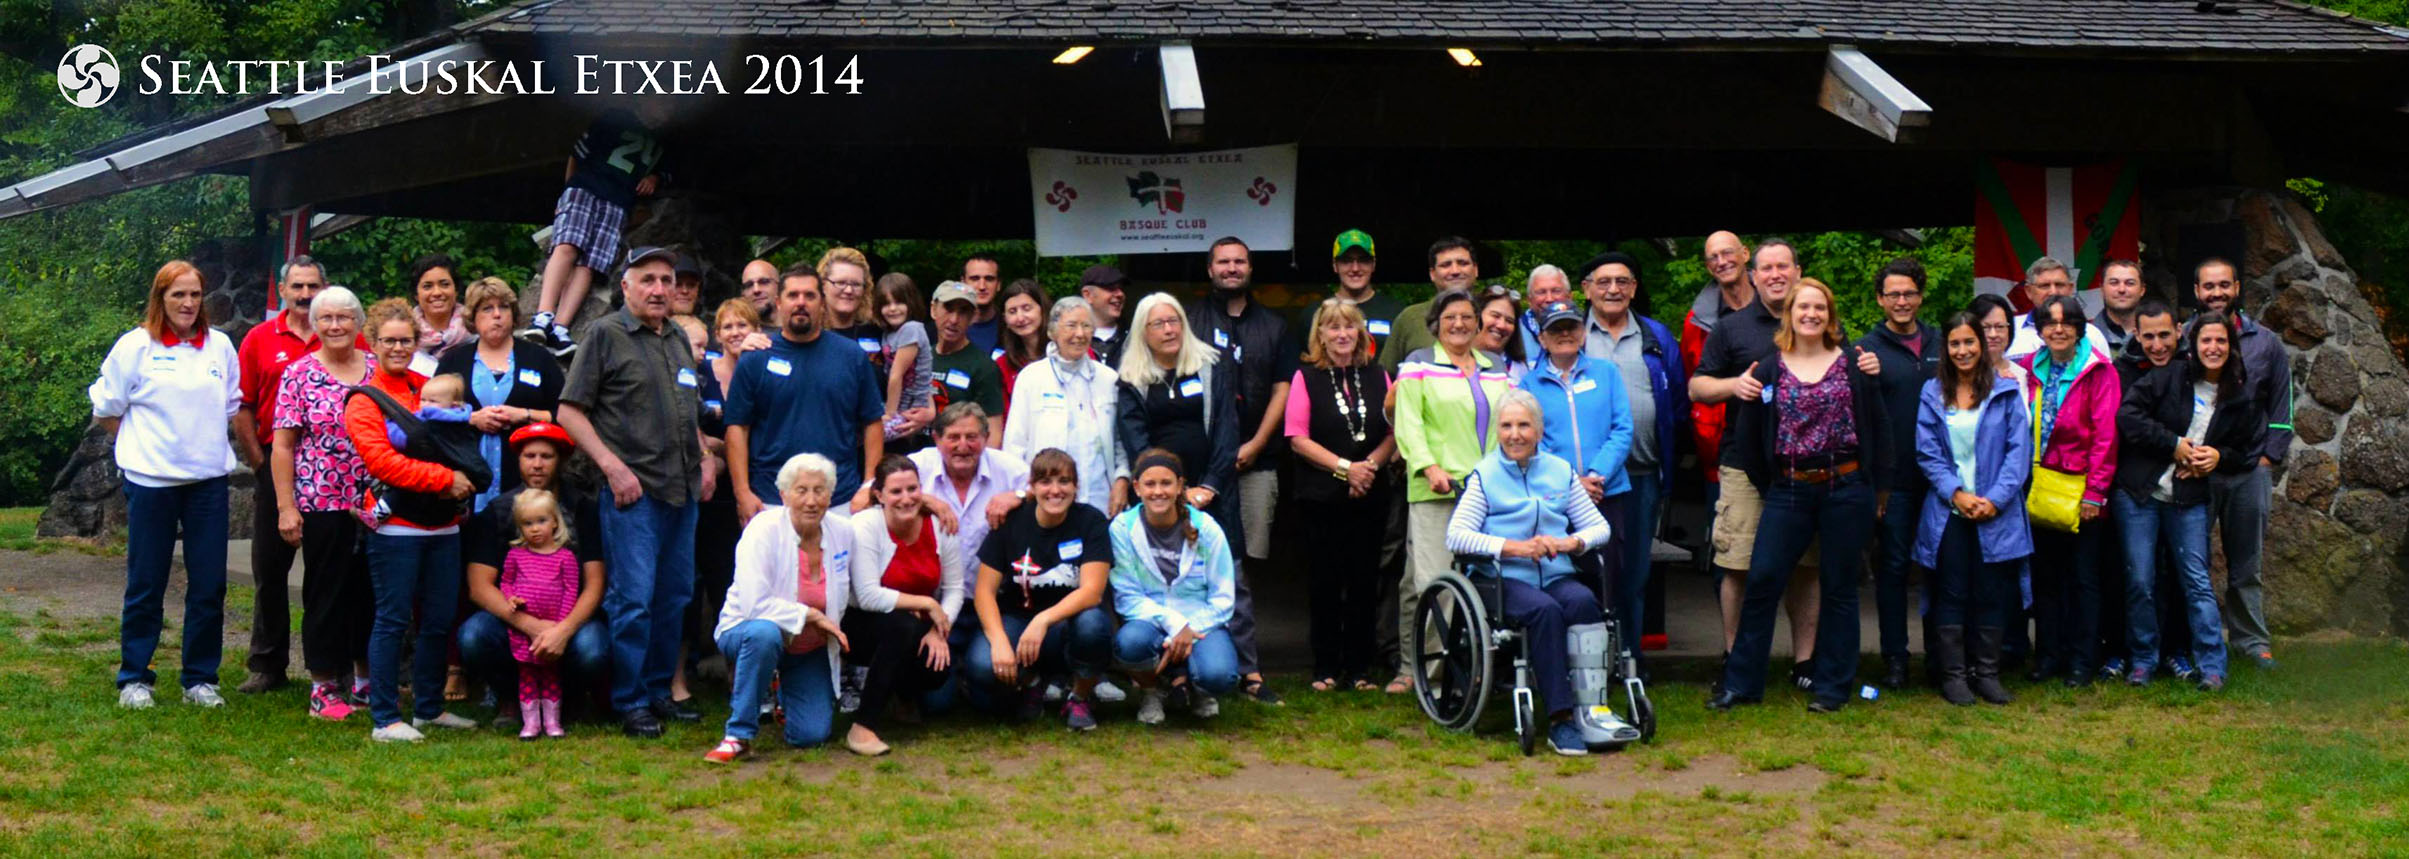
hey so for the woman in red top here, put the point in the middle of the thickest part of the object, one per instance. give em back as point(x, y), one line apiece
point(907, 586)
point(411, 563)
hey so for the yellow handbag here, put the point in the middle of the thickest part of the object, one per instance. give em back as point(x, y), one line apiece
point(2055, 500)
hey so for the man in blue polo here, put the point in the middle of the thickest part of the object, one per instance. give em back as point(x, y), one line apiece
point(805, 394)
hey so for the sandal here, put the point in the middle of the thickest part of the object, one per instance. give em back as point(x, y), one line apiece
point(1325, 684)
point(1400, 686)
point(455, 684)
point(1364, 685)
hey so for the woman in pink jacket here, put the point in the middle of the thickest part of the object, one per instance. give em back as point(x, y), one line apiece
point(2075, 396)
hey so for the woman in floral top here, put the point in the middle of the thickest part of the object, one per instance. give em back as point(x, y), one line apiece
point(318, 481)
point(1816, 445)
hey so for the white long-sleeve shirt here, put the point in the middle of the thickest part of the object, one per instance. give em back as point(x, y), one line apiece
point(769, 573)
point(1464, 535)
point(874, 548)
point(173, 401)
point(1075, 410)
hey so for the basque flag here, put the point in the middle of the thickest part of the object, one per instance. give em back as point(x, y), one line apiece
point(2083, 215)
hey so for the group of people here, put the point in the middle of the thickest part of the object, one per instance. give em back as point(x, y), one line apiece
point(868, 501)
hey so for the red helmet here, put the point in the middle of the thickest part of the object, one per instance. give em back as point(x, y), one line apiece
point(539, 429)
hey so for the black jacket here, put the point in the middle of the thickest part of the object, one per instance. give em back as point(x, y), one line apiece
point(1875, 448)
point(535, 384)
point(1902, 384)
point(2158, 408)
point(1221, 426)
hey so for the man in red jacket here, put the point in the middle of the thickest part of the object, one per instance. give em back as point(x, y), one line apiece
point(1726, 262)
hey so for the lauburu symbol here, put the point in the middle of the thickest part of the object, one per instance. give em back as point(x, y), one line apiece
point(1262, 191)
point(1062, 195)
point(88, 75)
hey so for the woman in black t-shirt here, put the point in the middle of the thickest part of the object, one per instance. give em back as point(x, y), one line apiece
point(1045, 567)
point(1341, 439)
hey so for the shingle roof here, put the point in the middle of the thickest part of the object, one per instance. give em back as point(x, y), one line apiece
point(2247, 26)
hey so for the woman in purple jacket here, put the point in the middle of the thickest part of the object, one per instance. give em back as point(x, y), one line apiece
point(1974, 444)
point(2076, 393)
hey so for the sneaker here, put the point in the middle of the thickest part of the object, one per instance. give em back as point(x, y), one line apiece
point(2184, 671)
point(134, 696)
point(1032, 703)
point(2112, 669)
point(2137, 677)
point(1203, 705)
point(1108, 693)
point(326, 702)
point(204, 695)
point(1601, 727)
point(1802, 675)
point(1076, 714)
point(640, 723)
point(2212, 682)
point(1055, 692)
point(263, 682)
point(446, 720)
point(398, 732)
point(849, 698)
point(359, 692)
point(2264, 659)
point(1150, 707)
point(1261, 692)
point(562, 346)
point(729, 750)
point(538, 330)
point(1565, 738)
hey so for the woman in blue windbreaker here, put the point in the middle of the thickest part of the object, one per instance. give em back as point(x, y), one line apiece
point(1174, 583)
point(1974, 442)
point(1587, 418)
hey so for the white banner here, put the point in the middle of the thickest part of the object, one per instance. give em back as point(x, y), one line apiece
point(1090, 203)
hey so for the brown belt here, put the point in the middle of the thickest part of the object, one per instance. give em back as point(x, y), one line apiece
point(1820, 475)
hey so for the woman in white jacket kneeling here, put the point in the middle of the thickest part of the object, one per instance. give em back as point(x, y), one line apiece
point(785, 611)
point(1174, 581)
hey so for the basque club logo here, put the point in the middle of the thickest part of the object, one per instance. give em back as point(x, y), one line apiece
point(88, 75)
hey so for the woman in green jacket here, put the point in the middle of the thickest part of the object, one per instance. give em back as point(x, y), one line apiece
point(1446, 420)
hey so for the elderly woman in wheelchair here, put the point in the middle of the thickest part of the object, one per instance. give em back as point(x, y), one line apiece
point(1522, 519)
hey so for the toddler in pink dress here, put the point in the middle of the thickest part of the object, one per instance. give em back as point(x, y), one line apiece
point(540, 578)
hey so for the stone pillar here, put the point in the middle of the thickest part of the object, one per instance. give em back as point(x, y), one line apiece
point(2335, 537)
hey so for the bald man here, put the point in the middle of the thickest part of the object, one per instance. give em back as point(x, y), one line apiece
point(1727, 264)
point(761, 287)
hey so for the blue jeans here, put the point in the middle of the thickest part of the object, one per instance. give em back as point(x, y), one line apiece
point(420, 573)
point(1891, 565)
point(649, 579)
point(485, 652)
point(1080, 646)
point(1212, 661)
point(756, 652)
point(2144, 523)
point(1841, 514)
point(1638, 533)
point(154, 516)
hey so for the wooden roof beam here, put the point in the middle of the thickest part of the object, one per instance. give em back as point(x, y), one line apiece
point(1182, 93)
point(1861, 92)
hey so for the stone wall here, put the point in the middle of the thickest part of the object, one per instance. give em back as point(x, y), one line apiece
point(2335, 536)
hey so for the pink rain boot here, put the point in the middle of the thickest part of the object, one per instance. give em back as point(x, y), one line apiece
point(531, 719)
point(551, 712)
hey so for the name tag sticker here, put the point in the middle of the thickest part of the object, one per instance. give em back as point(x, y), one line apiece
point(1191, 388)
point(957, 379)
point(531, 378)
point(1221, 338)
point(1070, 550)
point(868, 344)
point(780, 366)
point(1379, 327)
point(685, 377)
point(998, 352)
point(711, 355)
point(1585, 386)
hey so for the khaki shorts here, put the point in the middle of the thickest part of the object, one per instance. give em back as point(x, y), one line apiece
point(1737, 509)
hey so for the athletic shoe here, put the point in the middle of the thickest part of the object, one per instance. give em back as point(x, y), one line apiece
point(1054, 691)
point(1032, 703)
point(446, 720)
point(849, 698)
point(1076, 714)
point(1108, 693)
point(2264, 659)
point(2183, 670)
point(1565, 738)
point(729, 750)
point(1261, 692)
point(538, 330)
point(359, 692)
point(2212, 682)
point(1203, 705)
point(2112, 669)
point(398, 732)
point(204, 695)
point(1802, 675)
point(2137, 677)
point(134, 696)
point(1150, 707)
point(640, 723)
point(326, 702)
point(562, 346)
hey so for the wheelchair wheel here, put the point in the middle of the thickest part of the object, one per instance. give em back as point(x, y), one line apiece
point(1453, 653)
point(1643, 712)
point(1526, 721)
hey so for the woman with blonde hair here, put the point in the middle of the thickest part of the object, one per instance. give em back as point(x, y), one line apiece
point(845, 292)
point(168, 393)
point(1342, 443)
point(511, 382)
point(1819, 451)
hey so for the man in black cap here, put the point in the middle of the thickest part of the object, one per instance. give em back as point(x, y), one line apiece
point(1101, 286)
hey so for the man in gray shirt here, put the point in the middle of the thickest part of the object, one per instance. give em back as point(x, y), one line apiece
point(1647, 357)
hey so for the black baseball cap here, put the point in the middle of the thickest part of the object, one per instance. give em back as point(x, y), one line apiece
point(650, 252)
point(1104, 276)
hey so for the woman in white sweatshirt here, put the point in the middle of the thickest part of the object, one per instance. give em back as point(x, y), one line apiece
point(168, 392)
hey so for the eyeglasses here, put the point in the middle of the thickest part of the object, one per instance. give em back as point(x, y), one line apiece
point(1075, 326)
point(396, 342)
point(1901, 296)
point(847, 285)
point(1163, 323)
point(1996, 328)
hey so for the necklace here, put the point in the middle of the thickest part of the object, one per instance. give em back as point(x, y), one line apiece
point(1350, 402)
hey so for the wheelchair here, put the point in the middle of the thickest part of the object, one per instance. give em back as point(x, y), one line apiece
point(1461, 655)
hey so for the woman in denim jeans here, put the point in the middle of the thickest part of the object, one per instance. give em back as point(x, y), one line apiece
point(1814, 441)
point(2180, 423)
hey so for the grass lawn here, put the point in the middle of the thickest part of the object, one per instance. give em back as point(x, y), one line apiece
point(17, 535)
point(2310, 761)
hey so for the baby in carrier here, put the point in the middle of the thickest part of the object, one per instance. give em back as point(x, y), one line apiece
point(439, 433)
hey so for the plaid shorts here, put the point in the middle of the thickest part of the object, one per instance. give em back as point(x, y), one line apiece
point(590, 224)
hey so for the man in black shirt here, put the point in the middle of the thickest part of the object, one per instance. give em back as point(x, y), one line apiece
point(1102, 286)
point(1910, 352)
point(579, 642)
point(1259, 341)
